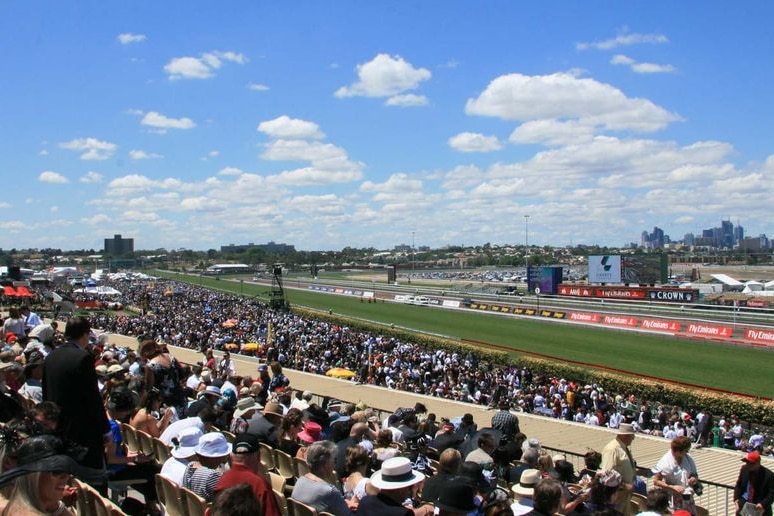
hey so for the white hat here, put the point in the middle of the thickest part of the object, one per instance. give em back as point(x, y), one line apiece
point(213, 444)
point(625, 429)
point(188, 440)
point(527, 482)
point(206, 376)
point(395, 474)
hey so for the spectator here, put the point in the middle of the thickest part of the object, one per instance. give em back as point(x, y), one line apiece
point(355, 479)
point(183, 452)
point(456, 498)
point(395, 481)
point(505, 421)
point(657, 503)
point(246, 468)
point(267, 424)
point(145, 417)
point(755, 485)
point(245, 409)
point(238, 500)
point(383, 448)
point(41, 479)
point(592, 460)
point(317, 487)
point(618, 457)
point(447, 439)
point(207, 398)
point(676, 473)
point(448, 466)
point(524, 491)
point(605, 491)
point(483, 454)
point(202, 475)
point(162, 371)
point(291, 426)
point(124, 465)
point(546, 498)
point(32, 389)
point(70, 381)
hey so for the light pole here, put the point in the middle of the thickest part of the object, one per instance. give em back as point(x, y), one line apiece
point(526, 249)
point(413, 253)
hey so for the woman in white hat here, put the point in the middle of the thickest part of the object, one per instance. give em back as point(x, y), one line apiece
point(182, 453)
point(202, 475)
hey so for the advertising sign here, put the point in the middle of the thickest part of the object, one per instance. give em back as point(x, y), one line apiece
point(619, 320)
point(572, 290)
point(585, 317)
point(673, 296)
point(660, 325)
point(765, 336)
point(709, 330)
point(605, 268)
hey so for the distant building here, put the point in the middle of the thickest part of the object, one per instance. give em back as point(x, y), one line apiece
point(271, 247)
point(655, 240)
point(118, 246)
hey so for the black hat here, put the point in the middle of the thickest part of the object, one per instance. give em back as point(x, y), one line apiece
point(49, 453)
point(246, 443)
point(456, 496)
point(121, 399)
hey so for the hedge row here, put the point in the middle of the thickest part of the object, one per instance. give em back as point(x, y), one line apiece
point(755, 411)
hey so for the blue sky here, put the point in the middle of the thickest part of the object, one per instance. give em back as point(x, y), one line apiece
point(332, 124)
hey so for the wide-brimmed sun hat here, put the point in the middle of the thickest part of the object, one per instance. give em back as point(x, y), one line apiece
point(311, 433)
point(245, 405)
point(187, 442)
point(396, 473)
point(213, 444)
point(625, 429)
point(527, 482)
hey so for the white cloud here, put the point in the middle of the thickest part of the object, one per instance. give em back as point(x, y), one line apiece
point(624, 39)
point(202, 67)
point(127, 38)
point(288, 128)
point(384, 76)
point(54, 178)
point(4, 204)
point(329, 163)
point(99, 218)
point(552, 132)
point(230, 171)
point(141, 154)
point(474, 142)
point(93, 149)
point(43, 152)
point(91, 177)
point(564, 96)
point(154, 119)
point(202, 204)
point(396, 183)
point(638, 67)
point(407, 100)
point(254, 86)
point(213, 154)
point(54, 209)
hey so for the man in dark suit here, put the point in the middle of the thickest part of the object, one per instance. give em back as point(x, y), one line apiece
point(70, 381)
point(755, 485)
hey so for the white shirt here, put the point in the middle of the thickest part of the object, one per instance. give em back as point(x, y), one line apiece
point(192, 382)
point(522, 506)
point(174, 469)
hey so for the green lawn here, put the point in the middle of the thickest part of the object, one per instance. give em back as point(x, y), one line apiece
point(731, 368)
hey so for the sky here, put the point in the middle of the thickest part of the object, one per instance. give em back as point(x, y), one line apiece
point(329, 124)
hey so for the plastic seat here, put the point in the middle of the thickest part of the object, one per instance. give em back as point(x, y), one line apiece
point(173, 500)
point(162, 450)
point(195, 504)
point(278, 482)
point(284, 465)
point(129, 436)
point(282, 501)
point(296, 508)
point(228, 435)
point(146, 444)
point(300, 466)
point(267, 456)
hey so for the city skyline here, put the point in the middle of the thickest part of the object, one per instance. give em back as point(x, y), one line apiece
point(370, 125)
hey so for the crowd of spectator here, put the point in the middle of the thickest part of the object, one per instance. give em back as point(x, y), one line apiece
point(69, 395)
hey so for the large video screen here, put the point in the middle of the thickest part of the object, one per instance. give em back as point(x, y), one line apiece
point(605, 268)
point(547, 278)
point(644, 269)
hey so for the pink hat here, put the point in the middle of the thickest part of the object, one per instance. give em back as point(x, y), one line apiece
point(311, 433)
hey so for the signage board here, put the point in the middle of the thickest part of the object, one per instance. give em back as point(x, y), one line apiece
point(605, 268)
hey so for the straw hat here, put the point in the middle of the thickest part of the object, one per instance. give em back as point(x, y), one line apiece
point(396, 473)
point(527, 482)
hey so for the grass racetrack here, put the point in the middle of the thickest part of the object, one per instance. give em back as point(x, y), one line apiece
point(727, 367)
